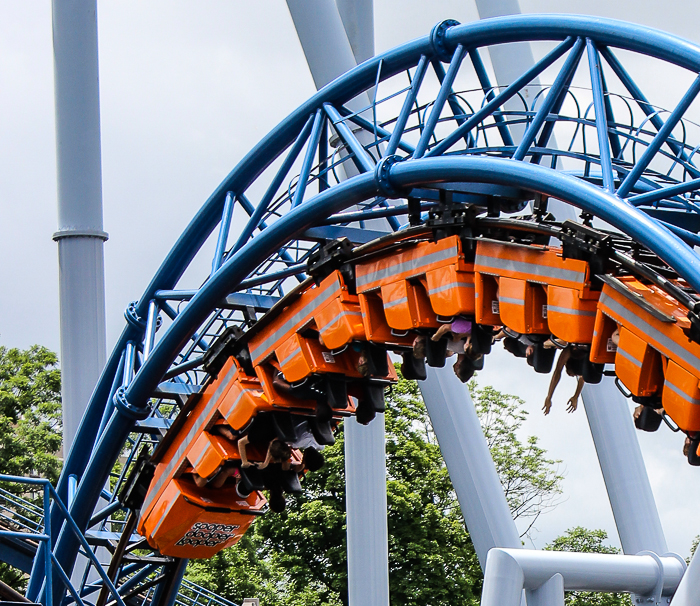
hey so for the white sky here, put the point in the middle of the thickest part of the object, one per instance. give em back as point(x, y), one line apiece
point(187, 88)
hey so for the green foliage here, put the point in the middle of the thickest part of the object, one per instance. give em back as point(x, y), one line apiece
point(30, 423)
point(30, 412)
point(299, 556)
point(582, 540)
point(530, 480)
point(694, 547)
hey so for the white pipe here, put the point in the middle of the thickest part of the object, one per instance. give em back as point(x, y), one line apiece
point(688, 592)
point(469, 462)
point(550, 593)
point(509, 571)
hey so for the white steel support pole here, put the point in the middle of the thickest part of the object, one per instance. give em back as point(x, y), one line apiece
point(469, 462)
point(688, 592)
point(335, 37)
point(620, 457)
point(80, 234)
point(626, 479)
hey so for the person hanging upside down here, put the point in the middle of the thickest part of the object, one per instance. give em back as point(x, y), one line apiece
point(568, 355)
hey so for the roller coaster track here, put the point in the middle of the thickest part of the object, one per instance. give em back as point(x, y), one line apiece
point(409, 194)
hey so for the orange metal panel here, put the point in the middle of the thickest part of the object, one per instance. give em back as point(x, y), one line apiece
point(451, 291)
point(209, 452)
point(681, 397)
point(411, 262)
point(533, 263)
point(522, 306)
point(487, 306)
point(243, 401)
point(297, 316)
point(340, 322)
point(200, 418)
point(301, 356)
point(602, 348)
point(570, 317)
point(376, 327)
point(638, 365)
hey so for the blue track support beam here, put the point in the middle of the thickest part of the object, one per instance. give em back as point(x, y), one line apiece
point(660, 138)
point(375, 129)
point(281, 175)
point(490, 94)
point(600, 116)
point(223, 232)
point(495, 103)
point(311, 148)
point(361, 158)
point(442, 97)
point(402, 120)
point(553, 98)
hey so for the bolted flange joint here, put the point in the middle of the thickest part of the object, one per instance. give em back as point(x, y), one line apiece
point(133, 318)
point(138, 413)
point(439, 42)
point(382, 176)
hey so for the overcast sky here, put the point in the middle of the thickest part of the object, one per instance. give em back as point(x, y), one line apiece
point(187, 88)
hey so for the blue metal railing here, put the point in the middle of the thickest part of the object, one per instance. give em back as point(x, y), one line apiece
point(41, 531)
point(21, 518)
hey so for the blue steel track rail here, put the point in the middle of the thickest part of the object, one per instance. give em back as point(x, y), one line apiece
point(453, 127)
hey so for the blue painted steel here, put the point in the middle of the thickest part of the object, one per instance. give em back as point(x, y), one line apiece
point(508, 93)
point(409, 101)
point(554, 97)
point(665, 192)
point(660, 138)
point(372, 128)
point(600, 116)
point(651, 112)
point(486, 86)
point(281, 175)
point(224, 229)
point(442, 97)
point(311, 148)
point(360, 157)
point(92, 463)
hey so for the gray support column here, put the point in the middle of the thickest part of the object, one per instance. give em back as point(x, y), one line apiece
point(621, 462)
point(688, 592)
point(469, 462)
point(365, 494)
point(334, 44)
point(80, 234)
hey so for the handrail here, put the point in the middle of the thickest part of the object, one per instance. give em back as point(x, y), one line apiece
point(190, 593)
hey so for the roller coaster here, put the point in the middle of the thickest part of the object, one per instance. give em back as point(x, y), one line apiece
point(411, 210)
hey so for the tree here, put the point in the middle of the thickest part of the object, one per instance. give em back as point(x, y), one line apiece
point(302, 552)
point(582, 540)
point(30, 412)
point(30, 423)
point(530, 480)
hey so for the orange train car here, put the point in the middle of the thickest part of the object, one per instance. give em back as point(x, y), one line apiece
point(654, 353)
point(413, 288)
point(328, 308)
point(174, 506)
point(533, 289)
